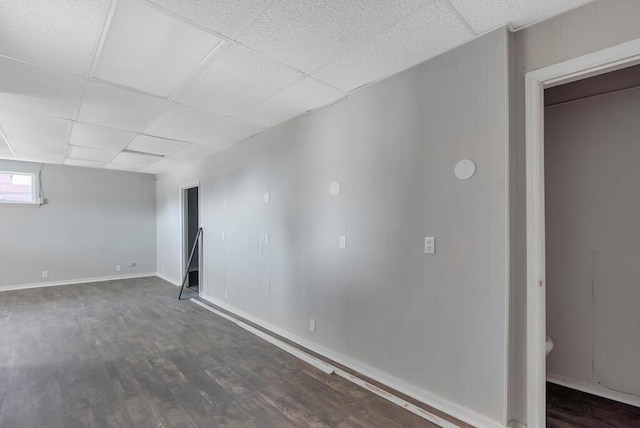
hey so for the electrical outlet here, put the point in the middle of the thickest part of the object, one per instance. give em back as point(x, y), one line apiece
point(343, 242)
point(266, 238)
point(45, 274)
point(312, 325)
point(118, 268)
point(225, 202)
point(222, 235)
point(226, 294)
point(429, 245)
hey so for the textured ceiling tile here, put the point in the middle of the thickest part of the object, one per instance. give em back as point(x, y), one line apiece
point(192, 152)
point(231, 133)
point(84, 163)
point(431, 31)
point(28, 149)
point(308, 94)
point(119, 108)
point(308, 34)
point(86, 153)
point(158, 146)
point(40, 157)
point(133, 160)
point(484, 15)
point(33, 88)
point(184, 123)
point(99, 137)
point(33, 127)
point(118, 167)
point(61, 34)
point(5, 151)
point(163, 165)
point(237, 80)
point(226, 17)
point(156, 60)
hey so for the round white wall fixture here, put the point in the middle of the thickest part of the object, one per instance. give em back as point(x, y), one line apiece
point(465, 169)
point(266, 197)
point(334, 188)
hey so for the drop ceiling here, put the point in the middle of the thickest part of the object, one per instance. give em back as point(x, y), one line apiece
point(94, 83)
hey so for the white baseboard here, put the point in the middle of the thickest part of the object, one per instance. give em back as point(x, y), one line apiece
point(74, 281)
point(166, 278)
point(425, 397)
point(598, 390)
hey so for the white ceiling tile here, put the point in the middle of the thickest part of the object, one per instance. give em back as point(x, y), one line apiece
point(33, 127)
point(61, 34)
point(99, 137)
point(163, 165)
point(484, 15)
point(5, 151)
point(431, 31)
point(308, 34)
point(184, 123)
point(33, 88)
point(36, 151)
point(158, 146)
point(40, 157)
point(192, 152)
point(118, 167)
point(84, 163)
point(119, 108)
point(237, 80)
point(86, 153)
point(231, 133)
point(133, 160)
point(226, 17)
point(158, 58)
point(302, 96)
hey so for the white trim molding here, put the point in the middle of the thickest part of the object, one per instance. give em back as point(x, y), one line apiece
point(606, 60)
point(592, 389)
point(75, 281)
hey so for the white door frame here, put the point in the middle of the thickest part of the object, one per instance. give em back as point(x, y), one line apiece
point(183, 221)
point(610, 59)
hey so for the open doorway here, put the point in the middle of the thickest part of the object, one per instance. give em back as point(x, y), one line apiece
point(548, 267)
point(192, 269)
point(592, 207)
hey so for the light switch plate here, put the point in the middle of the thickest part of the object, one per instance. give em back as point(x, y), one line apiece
point(429, 245)
point(45, 274)
point(343, 242)
point(312, 325)
point(118, 268)
point(266, 238)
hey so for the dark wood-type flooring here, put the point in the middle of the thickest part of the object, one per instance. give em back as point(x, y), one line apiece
point(129, 354)
point(570, 408)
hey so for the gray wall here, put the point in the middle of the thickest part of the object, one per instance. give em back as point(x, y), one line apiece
point(593, 206)
point(92, 221)
point(435, 325)
point(596, 26)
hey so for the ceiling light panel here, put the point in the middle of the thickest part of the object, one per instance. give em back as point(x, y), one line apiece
point(431, 31)
point(149, 50)
point(483, 15)
point(61, 34)
point(99, 137)
point(119, 108)
point(308, 34)
point(183, 123)
point(133, 160)
point(84, 163)
point(226, 17)
point(237, 80)
point(33, 88)
point(158, 146)
point(33, 127)
point(86, 153)
point(231, 133)
point(302, 96)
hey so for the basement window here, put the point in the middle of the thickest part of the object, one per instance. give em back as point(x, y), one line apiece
point(19, 188)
